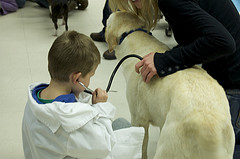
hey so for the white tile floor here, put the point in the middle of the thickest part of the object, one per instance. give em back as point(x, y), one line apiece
point(25, 38)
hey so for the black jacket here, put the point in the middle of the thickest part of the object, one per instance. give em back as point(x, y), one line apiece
point(208, 33)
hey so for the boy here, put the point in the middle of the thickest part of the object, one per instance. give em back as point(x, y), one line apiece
point(59, 123)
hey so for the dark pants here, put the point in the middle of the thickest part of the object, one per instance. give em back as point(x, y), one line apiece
point(21, 3)
point(234, 102)
point(106, 13)
point(120, 123)
point(42, 3)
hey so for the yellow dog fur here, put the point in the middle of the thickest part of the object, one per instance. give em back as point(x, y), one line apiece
point(189, 106)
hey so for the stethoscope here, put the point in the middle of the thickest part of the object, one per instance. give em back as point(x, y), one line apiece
point(87, 90)
point(90, 91)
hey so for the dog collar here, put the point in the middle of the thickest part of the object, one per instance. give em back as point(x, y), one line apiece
point(124, 35)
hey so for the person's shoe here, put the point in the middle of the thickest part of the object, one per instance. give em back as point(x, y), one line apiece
point(97, 37)
point(109, 55)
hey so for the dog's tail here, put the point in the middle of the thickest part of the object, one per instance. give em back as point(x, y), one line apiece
point(209, 135)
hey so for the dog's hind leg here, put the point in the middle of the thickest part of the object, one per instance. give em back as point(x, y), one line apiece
point(54, 19)
point(197, 136)
point(65, 17)
point(169, 145)
point(64, 22)
point(55, 13)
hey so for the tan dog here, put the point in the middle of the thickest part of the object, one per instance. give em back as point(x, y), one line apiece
point(189, 106)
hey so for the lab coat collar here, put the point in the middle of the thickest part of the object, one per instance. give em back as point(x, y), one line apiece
point(70, 116)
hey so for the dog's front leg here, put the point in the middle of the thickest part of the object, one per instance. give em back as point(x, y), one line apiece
point(139, 123)
point(65, 19)
point(145, 143)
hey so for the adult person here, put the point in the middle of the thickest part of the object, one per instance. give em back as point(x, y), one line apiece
point(207, 33)
point(42, 3)
point(21, 3)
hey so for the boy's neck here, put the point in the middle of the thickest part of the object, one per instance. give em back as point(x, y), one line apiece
point(55, 89)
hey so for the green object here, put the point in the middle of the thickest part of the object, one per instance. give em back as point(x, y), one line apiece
point(45, 101)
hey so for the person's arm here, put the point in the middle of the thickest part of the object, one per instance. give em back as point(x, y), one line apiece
point(208, 39)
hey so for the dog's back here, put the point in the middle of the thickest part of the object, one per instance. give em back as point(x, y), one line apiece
point(189, 106)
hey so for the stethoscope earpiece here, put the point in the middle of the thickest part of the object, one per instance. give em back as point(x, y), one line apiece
point(87, 90)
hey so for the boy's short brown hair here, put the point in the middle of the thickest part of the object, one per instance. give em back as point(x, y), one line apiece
point(72, 52)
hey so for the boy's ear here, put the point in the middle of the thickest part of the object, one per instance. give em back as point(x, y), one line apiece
point(74, 77)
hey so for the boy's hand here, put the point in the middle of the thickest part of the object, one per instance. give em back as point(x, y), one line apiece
point(99, 95)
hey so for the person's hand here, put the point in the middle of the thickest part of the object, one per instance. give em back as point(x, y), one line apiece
point(148, 69)
point(99, 95)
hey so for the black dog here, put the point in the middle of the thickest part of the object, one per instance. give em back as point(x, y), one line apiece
point(58, 9)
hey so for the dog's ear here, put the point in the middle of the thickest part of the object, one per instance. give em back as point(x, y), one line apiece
point(111, 39)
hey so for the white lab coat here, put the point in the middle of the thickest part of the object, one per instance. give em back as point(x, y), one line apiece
point(79, 130)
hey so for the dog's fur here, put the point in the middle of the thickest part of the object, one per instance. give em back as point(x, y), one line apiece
point(77, 4)
point(59, 8)
point(189, 106)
